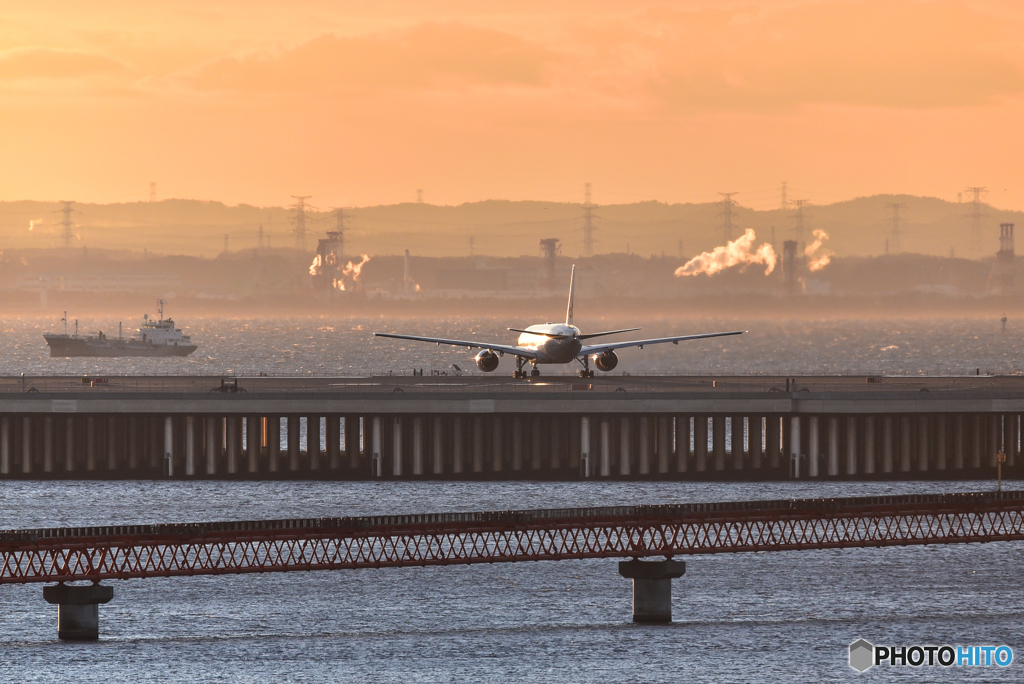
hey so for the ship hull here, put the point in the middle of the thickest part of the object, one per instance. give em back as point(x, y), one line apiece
point(61, 346)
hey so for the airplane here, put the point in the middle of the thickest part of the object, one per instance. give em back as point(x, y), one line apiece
point(555, 343)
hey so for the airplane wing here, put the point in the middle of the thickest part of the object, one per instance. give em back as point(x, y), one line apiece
point(500, 348)
point(599, 348)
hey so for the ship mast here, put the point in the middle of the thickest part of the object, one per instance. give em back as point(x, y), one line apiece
point(160, 308)
point(65, 319)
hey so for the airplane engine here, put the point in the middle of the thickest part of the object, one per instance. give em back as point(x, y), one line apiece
point(487, 361)
point(606, 361)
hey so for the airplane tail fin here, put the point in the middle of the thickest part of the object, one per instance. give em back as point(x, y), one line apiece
point(572, 292)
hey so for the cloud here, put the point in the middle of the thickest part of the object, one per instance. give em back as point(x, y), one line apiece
point(49, 63)
point(427, 55)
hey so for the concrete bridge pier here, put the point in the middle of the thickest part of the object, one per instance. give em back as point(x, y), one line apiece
point(78, 609)
point(652, 587)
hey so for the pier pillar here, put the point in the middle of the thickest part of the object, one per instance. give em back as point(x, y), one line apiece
point(211, 445)
point(833, 446)
point(352, 442)
point(1011, 426)
point(682, 443)
point(478, 444)
point(169, 446)
point(231, 445)
point(888, 443)
point(813, 447)
point(48, 444)
point(438, 454)
point(253, 441)
point(5, 445)
point(773, 439)
point(458, 446)
point(396, 446)
point(69, 444)
point(294, 435)
point(133, 442)
point(78, 609)
point(114, 440)
point(498, 444)
point(922, 442)
point(851, 445)
point(517, 443)
point(664, 442)
point(645, 446)
point(737, 442)
point(26, 445)
point(585, 468)
point(977, 437)
point(905, 439)
point(755, 427)
point(313, 442)
point(869, 445)
point(334, 442)
point(190, 446)
point(90, 443)
point(700, 442)
point(376, 467)
point(718, 441)
point(794, 445)
point(958, 442)
point(536, 441)
point(417, 445)
point(652, 588)
point(606, 448)
point(625, 445)
point(995, 434)
point(941, 442)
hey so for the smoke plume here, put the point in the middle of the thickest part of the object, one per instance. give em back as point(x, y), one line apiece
point(816, 263)
point(351, 273)
point(737, 252)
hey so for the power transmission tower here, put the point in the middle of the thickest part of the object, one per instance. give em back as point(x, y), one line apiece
point(893, 243)
point(300, 220)
point(727, 214)
point(419, 195)
point(785, 202)
point(976, 215)
point(152, 192)
point(800, 204)
point(67, 235)
point(259, 240)
point(588, 224)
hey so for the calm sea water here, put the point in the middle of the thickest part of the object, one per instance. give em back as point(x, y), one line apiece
point(772, 617)
point(336, 346)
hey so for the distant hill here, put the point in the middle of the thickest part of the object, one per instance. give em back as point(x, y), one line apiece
point(858, 227)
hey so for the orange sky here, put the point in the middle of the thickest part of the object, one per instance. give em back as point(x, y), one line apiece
point(362, 103)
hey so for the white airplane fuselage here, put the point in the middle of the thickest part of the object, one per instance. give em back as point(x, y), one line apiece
point(554, 342)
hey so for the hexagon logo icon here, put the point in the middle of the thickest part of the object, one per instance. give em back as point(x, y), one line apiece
point(862, 655)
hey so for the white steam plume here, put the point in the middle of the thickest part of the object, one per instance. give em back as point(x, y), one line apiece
point(816, 263)
point(736, 252)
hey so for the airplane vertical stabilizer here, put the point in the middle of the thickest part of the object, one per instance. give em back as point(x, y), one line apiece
point(572, 291)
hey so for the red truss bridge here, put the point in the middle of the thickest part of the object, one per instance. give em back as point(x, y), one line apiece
point(141, 551)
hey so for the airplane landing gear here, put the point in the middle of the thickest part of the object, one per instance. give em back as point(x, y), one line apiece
point(586, 372)
point(519, 373)
point(534, 373)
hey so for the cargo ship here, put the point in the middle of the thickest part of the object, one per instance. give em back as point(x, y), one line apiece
point(155, 338)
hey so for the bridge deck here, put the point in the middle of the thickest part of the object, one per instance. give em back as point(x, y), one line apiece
point(139, 551)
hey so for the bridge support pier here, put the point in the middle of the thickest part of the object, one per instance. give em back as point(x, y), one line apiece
point(652, 587)
point(78, 609)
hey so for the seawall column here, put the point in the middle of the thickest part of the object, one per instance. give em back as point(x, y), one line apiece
point(645, 445)
point(737, 443)
point(922, 443)
point(26, 445)
point(700, 442)
point(625, 445)
point(48, 444)
point(169, 445)
point(869, 445)
point(606, 448)
point(417, 446)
